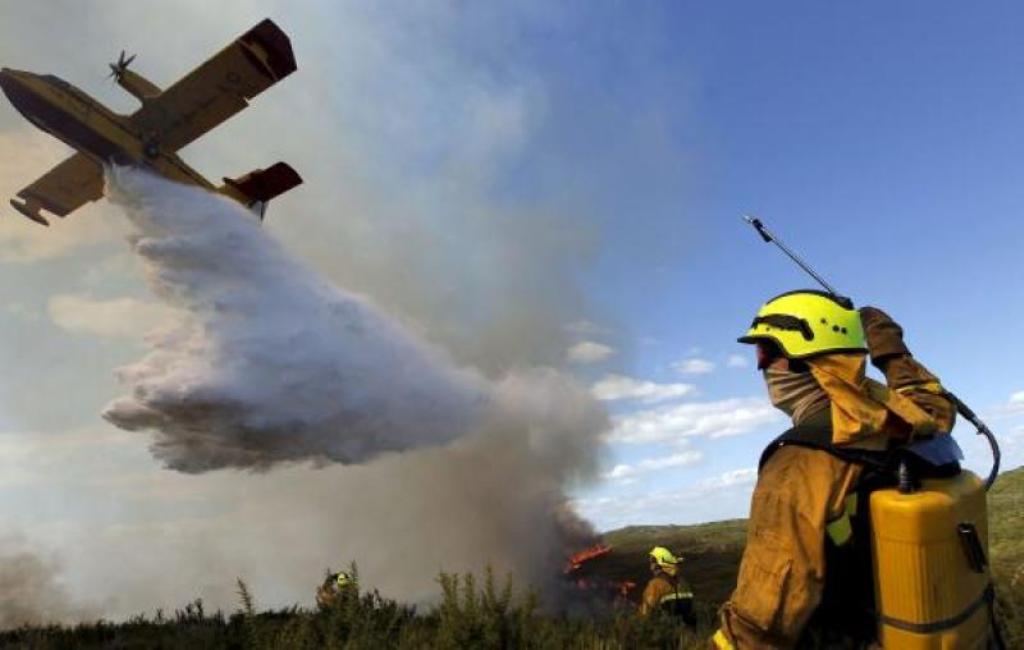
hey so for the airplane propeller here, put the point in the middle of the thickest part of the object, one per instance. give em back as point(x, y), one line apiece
point(119, 68)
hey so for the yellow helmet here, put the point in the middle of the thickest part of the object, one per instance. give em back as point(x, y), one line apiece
point(806, 323)
point(664, 558)
point(343, 580)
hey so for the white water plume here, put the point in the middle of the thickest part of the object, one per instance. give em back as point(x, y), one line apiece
point(267, 361)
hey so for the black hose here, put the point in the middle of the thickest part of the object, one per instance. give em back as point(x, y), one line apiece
point(997, 634)
point(983, 430)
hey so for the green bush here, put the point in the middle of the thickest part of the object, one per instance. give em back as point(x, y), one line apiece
point(1010, 610)
point(469, 615)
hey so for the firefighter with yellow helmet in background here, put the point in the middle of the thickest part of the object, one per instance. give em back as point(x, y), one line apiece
point(667, 590)
point(334, 586)
point(812, 348)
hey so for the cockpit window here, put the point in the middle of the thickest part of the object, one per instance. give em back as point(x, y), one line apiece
point(56, 81)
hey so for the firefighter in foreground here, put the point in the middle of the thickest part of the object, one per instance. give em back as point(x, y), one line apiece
point(812, 348)
point(667, 590)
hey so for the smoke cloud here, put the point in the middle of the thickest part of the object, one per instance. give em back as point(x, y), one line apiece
point(265, 362)
point(30, 592)
point(454, 186)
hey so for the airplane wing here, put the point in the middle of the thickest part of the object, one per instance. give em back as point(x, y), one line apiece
point(62, 190)
point(219, 88)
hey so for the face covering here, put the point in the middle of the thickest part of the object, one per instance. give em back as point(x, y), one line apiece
point(797, 394)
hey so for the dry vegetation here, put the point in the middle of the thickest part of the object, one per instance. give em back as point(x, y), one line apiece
point(491, 614)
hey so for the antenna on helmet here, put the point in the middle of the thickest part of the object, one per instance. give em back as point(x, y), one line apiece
point(770, 238)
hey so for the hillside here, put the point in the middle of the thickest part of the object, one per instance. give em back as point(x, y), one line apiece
point(711, 551)
point(711, 554)
point(1006, 521)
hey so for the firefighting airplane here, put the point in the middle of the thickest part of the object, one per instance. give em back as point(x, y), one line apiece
point(167, 121)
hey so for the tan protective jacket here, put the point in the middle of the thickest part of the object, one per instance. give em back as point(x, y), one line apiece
point(660, 589)
point(800, 491)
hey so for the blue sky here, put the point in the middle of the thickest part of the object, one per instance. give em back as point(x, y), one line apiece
point(577, 169)
point(883, 143)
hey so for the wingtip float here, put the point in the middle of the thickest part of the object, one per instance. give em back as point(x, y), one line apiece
point(150, 137)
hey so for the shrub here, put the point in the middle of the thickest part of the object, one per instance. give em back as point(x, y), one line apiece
point(470, 614)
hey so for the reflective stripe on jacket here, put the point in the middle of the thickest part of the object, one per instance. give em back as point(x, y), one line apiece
point(663, 593)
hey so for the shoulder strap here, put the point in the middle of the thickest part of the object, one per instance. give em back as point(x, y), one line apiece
point(820, 437)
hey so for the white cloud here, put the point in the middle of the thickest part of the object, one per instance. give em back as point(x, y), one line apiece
point(744, 476)
point(694, 366)
point(119, 318)
point(690, 504)
point(737, 361)
point(1012, 408)
point(618, 387)
point(589, 352)
point(627, 473)
point(727, 417)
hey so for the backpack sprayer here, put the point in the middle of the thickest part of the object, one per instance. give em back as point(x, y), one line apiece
point(961, 407)
point(925, 600)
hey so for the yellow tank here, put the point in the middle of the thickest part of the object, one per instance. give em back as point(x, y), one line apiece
point(928, 595)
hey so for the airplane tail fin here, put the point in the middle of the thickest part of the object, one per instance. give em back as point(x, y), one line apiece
point(256, 188)
point(31, 209)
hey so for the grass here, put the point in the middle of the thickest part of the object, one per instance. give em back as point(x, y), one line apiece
point(1006, 549)
point(470, 615)
point(711, 554)
point(1006, 522)
point(492, 613)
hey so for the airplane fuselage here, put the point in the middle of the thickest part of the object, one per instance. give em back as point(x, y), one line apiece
point(168, 120)
point(72, 116)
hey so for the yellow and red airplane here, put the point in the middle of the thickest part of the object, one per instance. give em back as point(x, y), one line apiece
point(167, 121)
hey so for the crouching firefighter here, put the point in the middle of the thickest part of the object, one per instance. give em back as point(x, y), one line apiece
point(335, 587)
point(812, 348)
point(667, 590)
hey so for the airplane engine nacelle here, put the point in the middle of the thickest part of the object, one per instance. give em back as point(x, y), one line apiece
point(140, 87)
